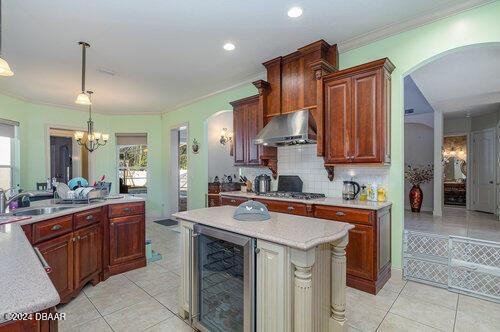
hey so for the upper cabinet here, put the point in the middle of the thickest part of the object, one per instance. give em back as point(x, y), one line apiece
point(356, 105)
point(247, 122)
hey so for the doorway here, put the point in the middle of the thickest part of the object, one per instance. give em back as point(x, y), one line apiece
point(61, 158)
point(483, 174)
point(178, 188)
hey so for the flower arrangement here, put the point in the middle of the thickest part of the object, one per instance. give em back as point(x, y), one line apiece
point(417, 175)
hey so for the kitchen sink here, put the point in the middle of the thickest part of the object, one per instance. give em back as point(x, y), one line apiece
point(40, 211)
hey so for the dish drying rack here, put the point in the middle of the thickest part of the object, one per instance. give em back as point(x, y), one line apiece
point(95, 195)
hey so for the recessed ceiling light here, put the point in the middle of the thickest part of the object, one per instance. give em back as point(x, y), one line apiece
point(294, 12)
point(229, 46)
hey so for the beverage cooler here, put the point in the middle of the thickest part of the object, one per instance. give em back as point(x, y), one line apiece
point(222, 280)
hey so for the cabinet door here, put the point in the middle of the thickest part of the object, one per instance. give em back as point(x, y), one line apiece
point(360, 252)
point(126, 239)
point(87, 253)
point(366, 118)
point(239, 129)
point(58, 253)
point(337, 121)
point(254, 125)
point(235, 201)
point(284, 207)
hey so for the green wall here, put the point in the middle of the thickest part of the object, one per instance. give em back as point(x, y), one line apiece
point(195, 116)
point(34, 120)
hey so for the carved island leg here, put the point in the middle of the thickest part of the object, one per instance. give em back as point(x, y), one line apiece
point(303, 293)
point(338, 321)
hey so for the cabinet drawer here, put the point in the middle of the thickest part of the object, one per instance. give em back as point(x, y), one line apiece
point(285, 207)
point(235, 201)
point(128, 209)
point(89, 217)
point(344, 214)
point(51, 228)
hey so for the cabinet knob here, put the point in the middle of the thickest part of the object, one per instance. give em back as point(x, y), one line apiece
point(126, 209)
point(290, 208)
point(55, 227)
point(233, 201)
point(340, 213)
point(90, 217)
point(257, 250)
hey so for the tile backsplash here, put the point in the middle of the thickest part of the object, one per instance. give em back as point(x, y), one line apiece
point(302, 160)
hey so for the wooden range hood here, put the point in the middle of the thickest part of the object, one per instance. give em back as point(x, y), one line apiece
point(293, 82)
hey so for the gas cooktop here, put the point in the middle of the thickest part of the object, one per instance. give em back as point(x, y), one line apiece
point(292, 194)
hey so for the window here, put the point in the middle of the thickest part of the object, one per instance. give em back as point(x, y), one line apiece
point(132, 163)
point(8, 147)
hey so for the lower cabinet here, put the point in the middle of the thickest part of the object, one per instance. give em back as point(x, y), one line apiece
point(234, 201)
point(87, 254)
point(58, 253)
point(285, 207)
point(127, 243)
point(74, 258)
point(360, 252)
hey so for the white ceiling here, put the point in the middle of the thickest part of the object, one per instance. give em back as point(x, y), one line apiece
point(169, 53)
point(466, 81)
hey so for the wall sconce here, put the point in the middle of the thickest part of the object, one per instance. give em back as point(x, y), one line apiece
point(225, 136)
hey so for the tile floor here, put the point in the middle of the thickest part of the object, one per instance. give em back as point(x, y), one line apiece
point(146, 300)
point(456, 221)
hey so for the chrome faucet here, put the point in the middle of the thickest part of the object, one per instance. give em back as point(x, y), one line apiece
point(4, 202)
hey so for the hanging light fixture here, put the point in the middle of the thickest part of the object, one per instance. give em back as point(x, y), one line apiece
point(94, 139)
point(83, 98)
point(4, 66)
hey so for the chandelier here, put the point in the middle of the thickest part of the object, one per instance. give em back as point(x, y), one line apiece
point(4, 66)
point(453, 153)
point(94, 139)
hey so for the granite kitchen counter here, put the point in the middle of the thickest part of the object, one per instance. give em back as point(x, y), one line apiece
point(290, 230)
point(25, 286)
point(331, 201)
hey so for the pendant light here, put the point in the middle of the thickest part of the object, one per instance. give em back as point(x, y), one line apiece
point(4, 66)
point(94, 139)
point(83, 98)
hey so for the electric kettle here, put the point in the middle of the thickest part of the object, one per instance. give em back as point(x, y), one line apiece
point(350, 190)
point(262, 184)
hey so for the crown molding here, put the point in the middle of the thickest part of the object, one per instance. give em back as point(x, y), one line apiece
point(70, 107)
point(251, 79)
point(406, 25)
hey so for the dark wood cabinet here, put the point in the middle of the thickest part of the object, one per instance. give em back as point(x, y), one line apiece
point(360, 252)
point(369, 250)
point(234, 201)
point(285, 207)
point(58, 253)
point(356, 104)
point(126, 239)
point(87, 254)
point(247, 122)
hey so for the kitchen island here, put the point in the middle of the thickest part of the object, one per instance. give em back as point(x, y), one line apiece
point(300, 269)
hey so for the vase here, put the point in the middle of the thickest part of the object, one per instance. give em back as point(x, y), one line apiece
point(416, 197)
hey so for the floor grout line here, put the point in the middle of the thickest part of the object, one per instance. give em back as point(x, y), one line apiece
point(388, 310)
point(456, 313)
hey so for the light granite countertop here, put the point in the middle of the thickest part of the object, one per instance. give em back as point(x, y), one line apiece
point(332, 201)
point(286, 229)
point(74, 208)
point(25, 286)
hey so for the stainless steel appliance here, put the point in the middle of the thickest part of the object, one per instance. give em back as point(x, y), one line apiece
point(350, 190)
point(262, 184)
point(223, 280)
point(293, 194)
point(287, 129)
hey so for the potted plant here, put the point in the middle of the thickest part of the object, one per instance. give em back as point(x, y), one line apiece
point(417, 175)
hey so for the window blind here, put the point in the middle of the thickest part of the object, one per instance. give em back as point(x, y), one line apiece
point(8, 128)
point(131, 139)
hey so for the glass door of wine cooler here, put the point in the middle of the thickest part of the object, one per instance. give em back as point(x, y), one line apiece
point(224, 280)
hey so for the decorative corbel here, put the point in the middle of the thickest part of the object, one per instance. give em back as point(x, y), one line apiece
point(331, 171)
point(320, 68)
